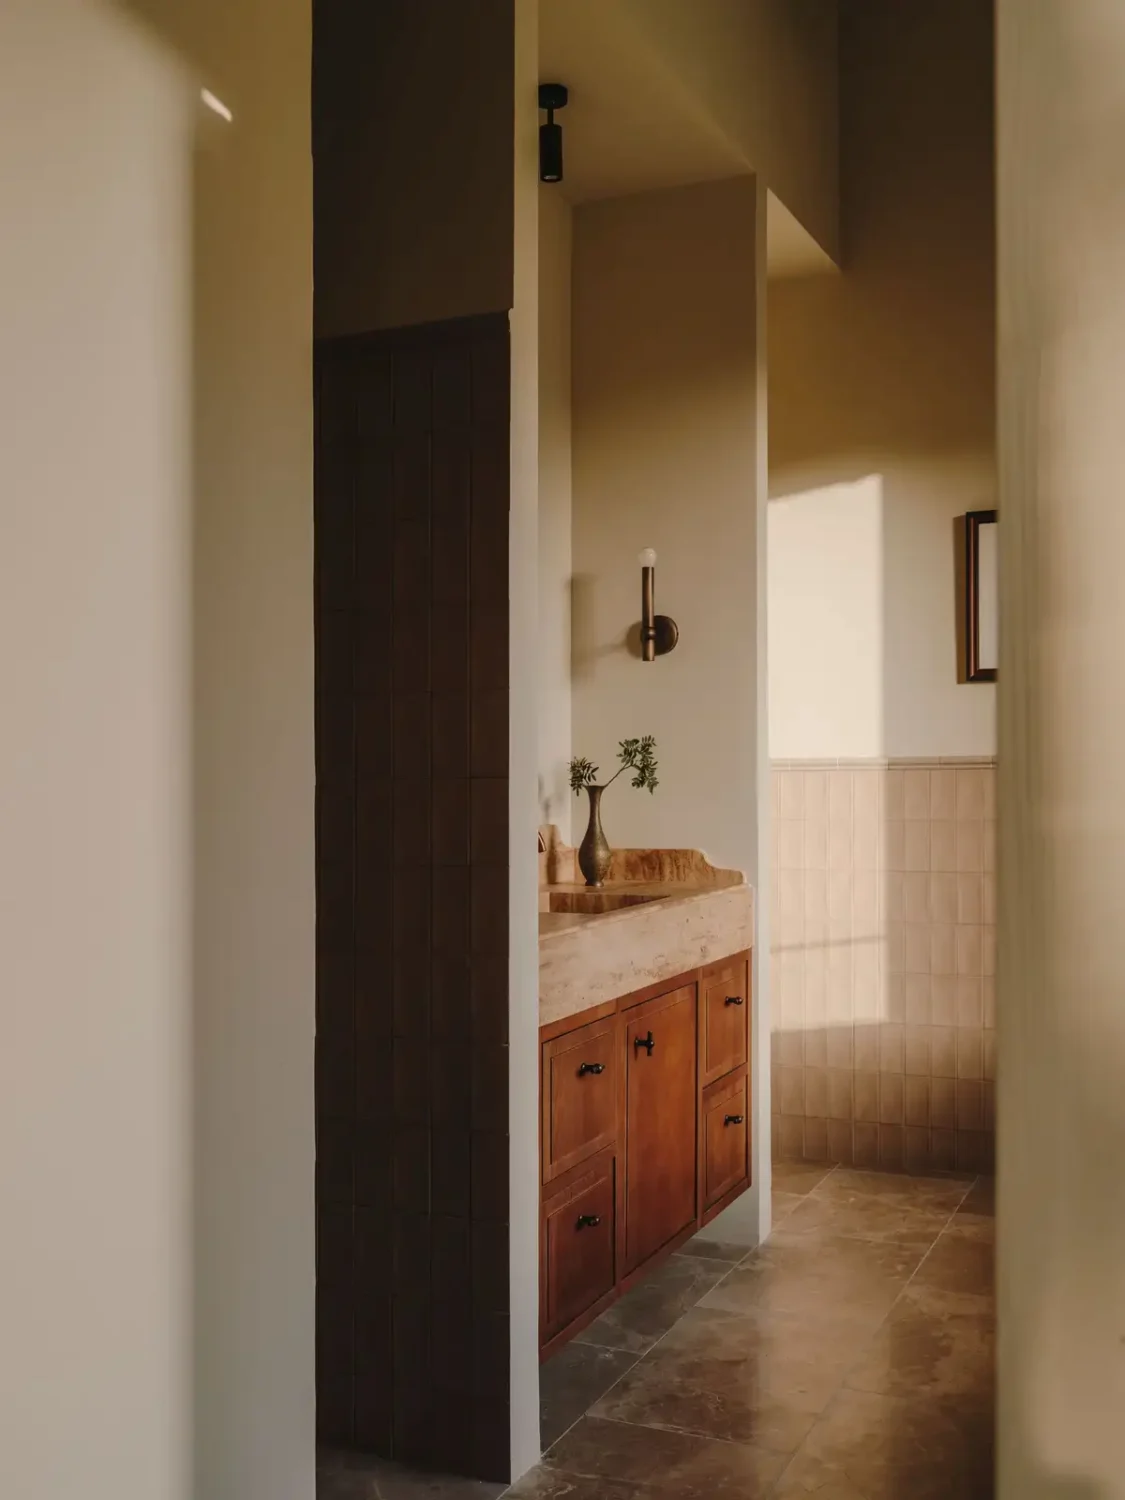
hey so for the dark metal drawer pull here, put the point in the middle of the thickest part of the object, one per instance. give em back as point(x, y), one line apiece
point(732, 1119)
point(647, 1042)
point(591, 1068)
point(735, 1000)
point(589, 1221)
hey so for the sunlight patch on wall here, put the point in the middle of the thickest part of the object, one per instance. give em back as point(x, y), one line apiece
point(826, 622)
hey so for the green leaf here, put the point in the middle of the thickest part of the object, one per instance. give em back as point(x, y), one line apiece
point(583, 773)
point(639, 756)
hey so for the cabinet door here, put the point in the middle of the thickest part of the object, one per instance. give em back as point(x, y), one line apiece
point(577, 1247)
point(579, 1095)
point(726, 1139)
point(725, 1002)
point(660, 1123)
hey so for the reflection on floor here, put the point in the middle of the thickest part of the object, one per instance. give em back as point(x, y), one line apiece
point(850, 1359)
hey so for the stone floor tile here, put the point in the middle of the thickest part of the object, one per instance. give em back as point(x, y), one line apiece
point(934, 1342)
point(355, 1476)
point(960, 1261)
point(809, 1273)
point(803, 1354)
point(783, 1206)
point(544, 1483)
point(799, 1177)
point(980, 1200)
point(707, 1248)
point(649, 1309)
point(888, 1448)
point(892, 1220)
point(941, 1194)
point(849, 1358)
point(571, 1381)
point(737, 1414)
point(665, 1462)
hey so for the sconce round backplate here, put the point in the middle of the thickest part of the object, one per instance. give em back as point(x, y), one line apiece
point(667, 634)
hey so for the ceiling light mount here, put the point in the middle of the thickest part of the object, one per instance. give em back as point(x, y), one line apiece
point(552, 96)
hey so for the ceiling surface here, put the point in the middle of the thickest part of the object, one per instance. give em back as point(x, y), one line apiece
point(633, 126)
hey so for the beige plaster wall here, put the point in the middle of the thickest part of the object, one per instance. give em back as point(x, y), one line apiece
point(555, 252)
point(767, 74)
point(413, 162)
point(664, 454)
point(668, 440)
point(1061, 1210)
point(157, 959)
point(882, 411)
point(523, 819)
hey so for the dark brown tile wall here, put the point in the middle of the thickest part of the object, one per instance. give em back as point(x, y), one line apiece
point(412, 894)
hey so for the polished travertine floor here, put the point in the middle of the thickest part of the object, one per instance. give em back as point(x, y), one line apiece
point(851, 1358)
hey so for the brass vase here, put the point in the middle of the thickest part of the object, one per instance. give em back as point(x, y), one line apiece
point(594, 853)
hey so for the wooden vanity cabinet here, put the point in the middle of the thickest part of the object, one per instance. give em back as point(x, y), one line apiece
point(579, 1249)
point(723, 1007)
point(578, 1093)
point(660, 1123)
point(726, 1138)
point(645, 1135)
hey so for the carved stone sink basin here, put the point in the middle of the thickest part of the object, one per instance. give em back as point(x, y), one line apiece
point(593, 902)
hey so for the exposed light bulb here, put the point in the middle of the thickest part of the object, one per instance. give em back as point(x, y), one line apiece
point(648, 558)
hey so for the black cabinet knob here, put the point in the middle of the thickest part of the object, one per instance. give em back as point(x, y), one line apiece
point(647, 1042)
point(735, 1000)
point(589, 1221)
point(732, 1119)
point(591, 1068)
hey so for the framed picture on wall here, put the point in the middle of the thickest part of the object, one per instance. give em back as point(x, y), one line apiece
point(979, 591)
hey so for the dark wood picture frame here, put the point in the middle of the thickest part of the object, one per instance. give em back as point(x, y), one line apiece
point(974, 670)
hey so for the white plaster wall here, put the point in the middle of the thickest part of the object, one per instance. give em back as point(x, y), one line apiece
point(156, 819)
point(555, 251)
point(888, 371)
point(664, 456)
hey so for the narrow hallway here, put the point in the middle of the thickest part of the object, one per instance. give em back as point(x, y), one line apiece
point(851, 1358)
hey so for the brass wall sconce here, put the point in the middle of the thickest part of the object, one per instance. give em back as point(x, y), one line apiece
point(659, 633)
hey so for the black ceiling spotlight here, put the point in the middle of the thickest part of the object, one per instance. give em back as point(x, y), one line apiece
point(552, 96)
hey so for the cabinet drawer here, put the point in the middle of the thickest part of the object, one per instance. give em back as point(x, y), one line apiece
point(579, 1095)
point(726, 1139)
point(579, 1261)
point(725, 999)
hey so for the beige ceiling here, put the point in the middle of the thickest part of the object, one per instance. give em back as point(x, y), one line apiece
point(632, 126)
point(629, 126)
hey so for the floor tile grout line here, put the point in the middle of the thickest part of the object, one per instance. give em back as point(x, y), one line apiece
point(653, 1427)
point(731, 1267)
point(876, 1330)
point(933, 1246)
point(905, 1286)
point(641, 1357)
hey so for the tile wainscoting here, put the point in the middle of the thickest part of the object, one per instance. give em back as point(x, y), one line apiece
point(884, 948)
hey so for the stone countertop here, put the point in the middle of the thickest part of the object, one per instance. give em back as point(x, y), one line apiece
point(681, 914)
